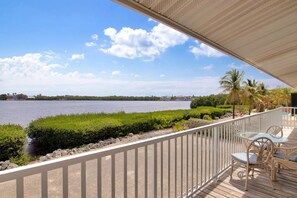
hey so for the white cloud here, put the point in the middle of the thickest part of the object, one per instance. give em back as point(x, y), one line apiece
point(242, 66)
point(204, 50)
point(233, 66)
point(135, 75)
point(36, 70)
point(90, 44)
point(94, 37)
point(115, 73)
point(153, 20)
point(207, 67)
point(35, 73)
point(139, 43)
point(76, 57)
point(103, 72)
point(162, 75)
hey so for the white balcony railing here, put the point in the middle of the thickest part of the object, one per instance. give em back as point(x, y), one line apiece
point(289, 117)
point(174, 165)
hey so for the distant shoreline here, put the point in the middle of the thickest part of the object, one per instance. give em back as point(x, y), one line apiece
point(20, 97)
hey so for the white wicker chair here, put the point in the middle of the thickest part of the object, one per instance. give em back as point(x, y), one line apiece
point(275, 131)
point(258, 155)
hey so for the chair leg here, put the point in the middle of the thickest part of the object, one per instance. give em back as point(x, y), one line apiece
point(246, 179)
point(273, 171)
point(231, 171)
point(270, 177)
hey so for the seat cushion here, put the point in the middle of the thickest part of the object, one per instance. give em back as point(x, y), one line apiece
point(280, 155)
point(242, 157)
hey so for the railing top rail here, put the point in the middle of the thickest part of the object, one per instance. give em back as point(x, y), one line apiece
point(91, 155)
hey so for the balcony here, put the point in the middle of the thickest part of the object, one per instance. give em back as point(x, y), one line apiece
point(191, 163)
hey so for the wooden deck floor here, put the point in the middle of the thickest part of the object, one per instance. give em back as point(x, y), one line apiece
point(286, 186)
point(259, 186)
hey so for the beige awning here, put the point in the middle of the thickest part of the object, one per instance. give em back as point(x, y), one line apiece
point(262, 33)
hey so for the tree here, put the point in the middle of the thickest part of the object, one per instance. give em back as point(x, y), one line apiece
point(3, 97)
point(231, 83)
point(280, 97)
point(211, 100)
point(250, 95)
point(286, 96)
point(263, 97)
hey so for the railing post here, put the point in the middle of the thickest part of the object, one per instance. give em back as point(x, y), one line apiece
point(280, 114)
point(294, 110)
point(216, 153)
point(260, 120)
point(243, 131)
point(243, 126)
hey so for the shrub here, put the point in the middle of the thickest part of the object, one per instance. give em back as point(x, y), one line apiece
point(207, 117)
point(181, 125)
point(12, 140)
point(67, 131)
point(21, 160)
point(224, 106)
point(194, 122)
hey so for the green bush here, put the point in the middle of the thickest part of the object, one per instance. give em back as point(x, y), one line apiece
point(224, 106)
point(67, 131)
point(12, 140)
point(207, 117)
point(181, 125)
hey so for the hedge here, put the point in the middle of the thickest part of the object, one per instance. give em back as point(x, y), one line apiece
point(12, 140)
point(67, 131)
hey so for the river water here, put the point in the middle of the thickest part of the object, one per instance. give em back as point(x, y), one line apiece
point(23, 112)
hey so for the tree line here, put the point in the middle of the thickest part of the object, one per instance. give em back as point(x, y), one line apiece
point(250, 92)
point(16, 96)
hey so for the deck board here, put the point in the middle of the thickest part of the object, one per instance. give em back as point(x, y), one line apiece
point(259, 186)
point(285, 186)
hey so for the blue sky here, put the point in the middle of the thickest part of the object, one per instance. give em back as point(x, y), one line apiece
point(101, 48)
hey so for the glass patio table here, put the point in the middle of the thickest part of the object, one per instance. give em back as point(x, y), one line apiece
point(250, 136)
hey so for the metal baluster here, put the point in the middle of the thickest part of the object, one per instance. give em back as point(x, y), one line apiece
point(99, 191)
point(175, 166)
point(155, 170)
point(65, 181)
point(168, 169)
point(113, 175)
point(83, 180)
point(161, 172)
point(136, 173)
point(145, 173)
point(44, 184)
point(20, 187)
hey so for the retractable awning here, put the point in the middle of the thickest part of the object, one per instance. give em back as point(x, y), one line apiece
point(262, 33)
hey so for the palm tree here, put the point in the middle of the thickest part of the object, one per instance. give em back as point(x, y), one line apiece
point(250, 94)
point(231, 83)
point(286, 96)
point(281, 96)
point(263, 92)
